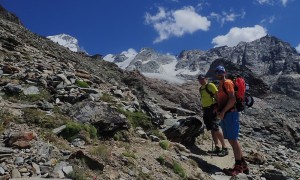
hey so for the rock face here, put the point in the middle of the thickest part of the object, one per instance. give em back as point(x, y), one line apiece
point(9, 16)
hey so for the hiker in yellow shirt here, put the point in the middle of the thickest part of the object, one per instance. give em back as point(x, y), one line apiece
point(208, 93)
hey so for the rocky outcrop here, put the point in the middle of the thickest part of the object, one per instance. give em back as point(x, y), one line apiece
point(4, 14)
point(185, 131)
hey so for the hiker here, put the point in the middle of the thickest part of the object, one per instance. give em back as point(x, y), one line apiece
point(229, 117)
point(208, 93)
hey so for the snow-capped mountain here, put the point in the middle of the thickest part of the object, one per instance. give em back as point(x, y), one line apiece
point(66, 41)
point(154, 65)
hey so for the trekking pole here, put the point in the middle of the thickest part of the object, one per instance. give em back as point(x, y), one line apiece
point(212, 146)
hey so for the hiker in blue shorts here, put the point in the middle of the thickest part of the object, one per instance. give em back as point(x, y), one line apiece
point(229, 117)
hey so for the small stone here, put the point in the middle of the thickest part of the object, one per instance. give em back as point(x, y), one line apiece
point(15, 174)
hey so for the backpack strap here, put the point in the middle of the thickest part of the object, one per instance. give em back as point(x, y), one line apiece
point(224, 89)
point(208, 91)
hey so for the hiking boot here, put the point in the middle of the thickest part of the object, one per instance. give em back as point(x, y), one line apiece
point(223, 152)
point(235, 171)
point(216, 151)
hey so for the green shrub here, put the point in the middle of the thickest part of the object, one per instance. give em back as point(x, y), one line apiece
point(165, 144)
point(73, 129)
point(138, 119)
point(177, 168)
point(82, 84)
point(91, 130)
point(161, 160)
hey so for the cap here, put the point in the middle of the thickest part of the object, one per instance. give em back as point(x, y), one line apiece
point(201, 76)
point(220, 70)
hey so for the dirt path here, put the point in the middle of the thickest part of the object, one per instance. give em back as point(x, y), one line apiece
point(212, 164)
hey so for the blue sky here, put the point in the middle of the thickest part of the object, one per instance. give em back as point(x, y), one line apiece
point(168, 26)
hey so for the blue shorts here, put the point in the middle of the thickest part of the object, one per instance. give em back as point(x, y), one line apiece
point(231, 126)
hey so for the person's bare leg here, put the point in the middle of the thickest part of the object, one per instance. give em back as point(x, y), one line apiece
point(237, 151)
point(215, 138)
point(219, 135)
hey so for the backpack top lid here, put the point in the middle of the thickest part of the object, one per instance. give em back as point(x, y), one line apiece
point(241, 85)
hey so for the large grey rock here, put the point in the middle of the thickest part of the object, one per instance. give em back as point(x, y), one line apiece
point(185, 131)
point(105, 118)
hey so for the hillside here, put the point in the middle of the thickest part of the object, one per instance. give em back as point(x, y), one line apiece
point(66, 115)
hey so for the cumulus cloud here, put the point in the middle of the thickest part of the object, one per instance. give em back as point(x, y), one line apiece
point(236, 35)
point(227, 16)
point(176, 22)
point(298, 48)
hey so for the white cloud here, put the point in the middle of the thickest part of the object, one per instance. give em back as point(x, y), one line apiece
point(284, 2)
point(269, 2)
point(272, 2)
point(176, 23)
point(298, 48)
point(269, 20)
point(236, 35)
point(227, 16)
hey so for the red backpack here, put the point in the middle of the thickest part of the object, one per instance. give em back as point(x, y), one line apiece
point(240, 90)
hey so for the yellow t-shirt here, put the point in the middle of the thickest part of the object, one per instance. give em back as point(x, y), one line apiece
point(206, 99)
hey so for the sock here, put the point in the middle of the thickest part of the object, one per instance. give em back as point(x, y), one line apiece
point(238, 162)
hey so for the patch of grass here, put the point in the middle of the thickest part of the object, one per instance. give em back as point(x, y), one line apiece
point(177, 168)
point(101, 151)
point(78, 174)
point(40, 118)
point(43, 95)
point(165, 144)
point(143, 176)
point(53, 139)
point(159, 134)
point(82, 84)
point(91, 130)
point(129, 154)
point(138, 119)
point(161, 160)
point(122, 136)
point(107, 98)
point(5, 119)
point(278, 165)
point(73, 129)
